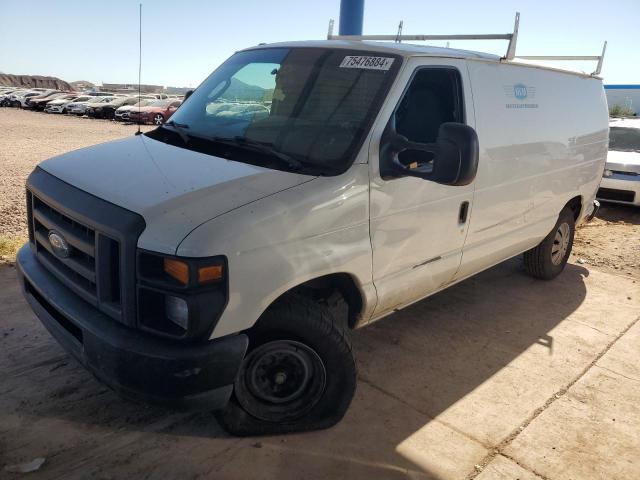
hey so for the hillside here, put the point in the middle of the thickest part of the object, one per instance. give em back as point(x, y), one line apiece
point(33, 81)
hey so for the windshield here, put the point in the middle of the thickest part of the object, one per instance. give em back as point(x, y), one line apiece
point(624, 139)
point(313, 106)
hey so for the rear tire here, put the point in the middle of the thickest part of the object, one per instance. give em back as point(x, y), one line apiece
point(547, 260)
point(299, 373)
point(158, 119)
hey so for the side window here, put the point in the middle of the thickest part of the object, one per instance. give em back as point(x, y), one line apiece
point(433, 98)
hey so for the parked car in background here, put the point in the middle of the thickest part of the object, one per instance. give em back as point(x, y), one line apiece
point(122, 113)
point(19, 100)
point(40, 102)
point(621, 178)
point(156, 112)
point(108, 109)
point(5, 96)
point(80, 108)
point(59, 105)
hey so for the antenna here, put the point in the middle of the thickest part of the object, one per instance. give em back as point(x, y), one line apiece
point(139, 67)
point(399, 35)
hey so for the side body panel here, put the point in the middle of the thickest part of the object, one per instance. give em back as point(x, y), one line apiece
point(543, 140)
point(279, 242)
point(416, 235)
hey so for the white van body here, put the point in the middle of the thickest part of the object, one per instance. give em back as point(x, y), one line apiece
point(536, 155)
point(542, 136)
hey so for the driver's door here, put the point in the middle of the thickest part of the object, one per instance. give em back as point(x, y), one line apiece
point(418, 227)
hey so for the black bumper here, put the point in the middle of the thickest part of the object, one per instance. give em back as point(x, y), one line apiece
point(134, 364)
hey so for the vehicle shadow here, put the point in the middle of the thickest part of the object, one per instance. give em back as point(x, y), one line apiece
point(414, 365)
point(612, 212)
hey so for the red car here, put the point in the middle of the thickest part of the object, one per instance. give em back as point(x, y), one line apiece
point(157, 112)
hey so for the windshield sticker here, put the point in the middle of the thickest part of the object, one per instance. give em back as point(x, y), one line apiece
point(368, 63)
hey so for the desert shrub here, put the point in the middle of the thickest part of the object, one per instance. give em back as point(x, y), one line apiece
point(620, 111)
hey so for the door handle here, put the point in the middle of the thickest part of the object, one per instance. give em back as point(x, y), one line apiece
point(464, 211)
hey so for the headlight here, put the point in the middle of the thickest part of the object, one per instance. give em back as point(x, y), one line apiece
point(180, 297)
point(607, 173)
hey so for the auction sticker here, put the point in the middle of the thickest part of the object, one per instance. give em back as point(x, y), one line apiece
point(369, 63)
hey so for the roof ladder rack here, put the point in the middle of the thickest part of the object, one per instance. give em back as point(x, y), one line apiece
point(511, 49)
point(598, 58)
point(512, 37)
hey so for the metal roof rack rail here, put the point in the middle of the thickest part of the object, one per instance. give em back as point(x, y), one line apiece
point(398, 38)
point(511, 49)
point(598, 58)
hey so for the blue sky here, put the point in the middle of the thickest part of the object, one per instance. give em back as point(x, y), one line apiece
point(183, 41)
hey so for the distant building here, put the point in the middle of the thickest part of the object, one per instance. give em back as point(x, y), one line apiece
point(624, 95)
point(130, 88)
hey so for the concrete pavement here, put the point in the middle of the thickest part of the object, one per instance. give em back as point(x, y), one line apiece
point(501, 376)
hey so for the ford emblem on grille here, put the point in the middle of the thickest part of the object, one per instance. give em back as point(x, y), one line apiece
point(59, 244)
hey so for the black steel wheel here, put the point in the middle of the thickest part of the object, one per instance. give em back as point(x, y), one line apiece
point(299, 373)
point(280, 380)
point(547, 260)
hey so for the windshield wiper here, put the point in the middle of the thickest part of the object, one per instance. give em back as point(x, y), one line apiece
point(262, 147)
point(179, 128)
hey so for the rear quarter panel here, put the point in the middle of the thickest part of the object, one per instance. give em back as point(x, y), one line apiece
point(543, 140)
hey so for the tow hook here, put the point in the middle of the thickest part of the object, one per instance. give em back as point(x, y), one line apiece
point(596, 207)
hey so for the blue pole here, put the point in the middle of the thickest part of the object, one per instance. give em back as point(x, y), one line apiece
point(351, 13)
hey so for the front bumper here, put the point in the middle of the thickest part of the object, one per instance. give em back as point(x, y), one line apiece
point(620, 188)
point(134, 364)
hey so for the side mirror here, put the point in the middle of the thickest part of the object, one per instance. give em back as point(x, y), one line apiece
point(451, 160)
point(188, 94)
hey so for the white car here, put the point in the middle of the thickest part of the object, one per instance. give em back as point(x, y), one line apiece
point(19, 99)
point(621, 178)
point(58, 105)
point(79, 107)
point(222, 259)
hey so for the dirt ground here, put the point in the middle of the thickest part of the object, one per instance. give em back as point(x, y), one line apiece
point(611, 241)
point(26, 139)
point(499, 377)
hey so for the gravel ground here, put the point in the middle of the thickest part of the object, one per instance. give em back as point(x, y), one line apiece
point(610, 242)
point(28, 138)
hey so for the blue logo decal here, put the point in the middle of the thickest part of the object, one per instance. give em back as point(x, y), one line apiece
point(520, 91)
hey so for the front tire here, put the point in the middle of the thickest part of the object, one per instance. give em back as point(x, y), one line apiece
point(299, 373)
point(547, 260)
point(158, 119)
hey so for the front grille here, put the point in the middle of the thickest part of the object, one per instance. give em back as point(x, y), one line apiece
point(91, 269)
point(102, 239)
point(616, 195)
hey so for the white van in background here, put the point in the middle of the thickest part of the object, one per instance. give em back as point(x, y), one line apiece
point(222, 260)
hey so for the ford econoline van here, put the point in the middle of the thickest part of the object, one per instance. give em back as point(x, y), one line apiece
point(305, 189)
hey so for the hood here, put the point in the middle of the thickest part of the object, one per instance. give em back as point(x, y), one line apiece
point(623, 161)
point(174, 189)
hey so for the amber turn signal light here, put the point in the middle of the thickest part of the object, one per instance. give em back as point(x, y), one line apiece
point(177, 269)
point(212, 273)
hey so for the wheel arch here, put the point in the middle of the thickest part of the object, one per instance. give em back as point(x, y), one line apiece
point(576, 206)
point(336, 290)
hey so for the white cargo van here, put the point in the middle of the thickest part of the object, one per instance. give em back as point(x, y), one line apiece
point(304, 190)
